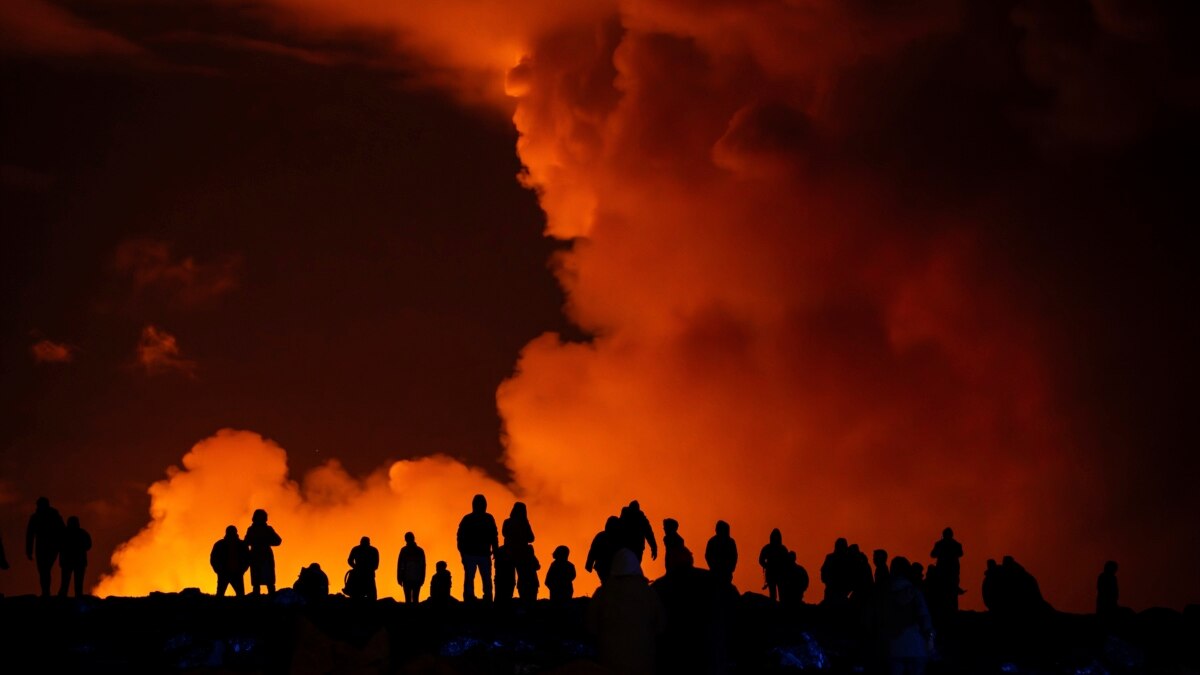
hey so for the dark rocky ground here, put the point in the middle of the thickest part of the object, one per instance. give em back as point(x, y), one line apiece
point(190, 632)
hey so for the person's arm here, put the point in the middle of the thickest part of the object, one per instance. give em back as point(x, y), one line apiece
point(495, 537)
point(733, 547)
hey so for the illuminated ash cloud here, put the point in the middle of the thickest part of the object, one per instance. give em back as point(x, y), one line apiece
point(158, 353)
point(182, 280)
point(49, 351)
point(820, 248)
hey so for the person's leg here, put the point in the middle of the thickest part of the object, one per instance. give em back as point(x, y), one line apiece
point(416, 592)
point(66, 582)
point(271, 589)
point(469, 565)
point(79, 581)
point(44, 568)
point(239, 585)
point(485, 571)
point(222, 582)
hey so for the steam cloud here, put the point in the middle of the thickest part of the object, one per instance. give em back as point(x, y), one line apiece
point(801, 236)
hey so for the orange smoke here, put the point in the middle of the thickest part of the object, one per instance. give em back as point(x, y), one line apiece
point(783, 337)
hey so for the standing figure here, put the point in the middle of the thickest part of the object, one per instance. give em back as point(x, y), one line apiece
point(439, 585)
point(835, 573)
point(230, 558)
point(560, 578)
point(261, 537)
point(794, 583)
point(775, 561)
point(906, 624)
point(477, 542)
point(947, 552)
point(3, 558)
point(636, 531)
point(883, 577)
point(506, 576)
point(44, 535)
point(410, 568)
point(604, 545)
point(72, 559)
point(721, 553)
point(518, 541)
point(363, 561)
point(626, 616)
point(1106, 589)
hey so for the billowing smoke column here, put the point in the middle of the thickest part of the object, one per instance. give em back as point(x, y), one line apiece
point(798, 235)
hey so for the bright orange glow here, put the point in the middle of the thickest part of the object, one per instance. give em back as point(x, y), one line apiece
point(782, 341)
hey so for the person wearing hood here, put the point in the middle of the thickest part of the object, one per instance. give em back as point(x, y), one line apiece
point(907, 627)
point(626, 616)
point(477, 541)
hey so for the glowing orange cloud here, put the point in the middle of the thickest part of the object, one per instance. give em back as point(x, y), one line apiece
point(49, 351)
point(783, 336)
point(158, 353)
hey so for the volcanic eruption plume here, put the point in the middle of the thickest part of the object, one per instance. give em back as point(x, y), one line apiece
point(808, 246)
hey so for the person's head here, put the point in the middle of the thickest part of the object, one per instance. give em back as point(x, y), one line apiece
point(1110, 567)
point(901, 567)
point(880, 557)
point(519, 512)
point(441, 565)
point(776, 536)
point(625, 564)
point(991, 564)
point(316, 567)
point(918, 570)
point(365, 541)
point(840, 545)
point(410, 538)
point(853, 548)
point(1008, 561)
point(634, 506)
point(613, 524)
point(561, 553)
point(231, 532)
point(947, 533)
point(722, 528)
point(73, 523)
point(260, 516)
point(479, 503)
point(42, 503)
point(670, 525)
point(681, 560)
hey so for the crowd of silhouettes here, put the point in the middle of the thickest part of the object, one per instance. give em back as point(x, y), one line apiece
point(681, 618)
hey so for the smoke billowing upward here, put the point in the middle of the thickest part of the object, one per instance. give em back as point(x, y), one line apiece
point(821, 249)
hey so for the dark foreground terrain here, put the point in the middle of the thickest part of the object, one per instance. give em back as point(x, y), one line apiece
point(190, 632)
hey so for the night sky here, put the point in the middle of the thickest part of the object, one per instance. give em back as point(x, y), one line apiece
point(846, 268)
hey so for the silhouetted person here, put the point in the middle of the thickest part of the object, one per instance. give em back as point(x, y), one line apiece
point(44, 536)
point(3, 558)
point(312, 584)
point(1017, 593)
point(518, 540)
point(410, 568)
point(794, 583)
point(1106, 589)
point(604, 545)
point(72, 559)
point(834, 573)
point(477, 542)
point(774, 559)
point(230, 558)
point(883, 577)
point(698, 608)
point(626, 617)
point(636, 531)
point(261, 537)
point(672, 543)
point(439, 584)
point(560, 578)
point(947, 553)
point(363, 561)
point(916, 574)
point(506, 576)
point(906, 623)
point(721, 553)
point(990, 586)
point(862, 581)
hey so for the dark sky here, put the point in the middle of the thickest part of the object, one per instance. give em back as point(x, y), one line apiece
point(937, 254)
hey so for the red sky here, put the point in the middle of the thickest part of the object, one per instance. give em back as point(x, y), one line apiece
point(841, 268)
